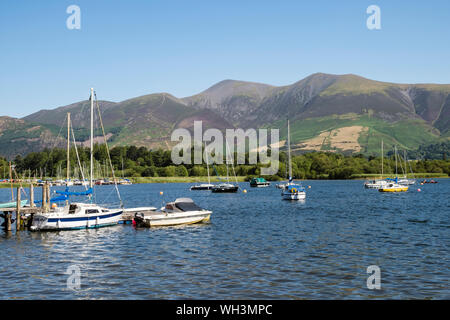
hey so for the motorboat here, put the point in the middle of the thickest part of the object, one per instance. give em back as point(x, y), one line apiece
point(259, 183)
point(76, 216)
point(293, 192)
point(182, 211)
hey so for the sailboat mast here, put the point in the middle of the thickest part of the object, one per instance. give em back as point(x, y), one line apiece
point(207, 165)
point(92, 138)
point(382, 156)
point(289, 150)
point(68, 146)
point(395, 152)
point(404, 155)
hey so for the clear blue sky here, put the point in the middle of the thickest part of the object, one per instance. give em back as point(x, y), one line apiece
point(130, 48)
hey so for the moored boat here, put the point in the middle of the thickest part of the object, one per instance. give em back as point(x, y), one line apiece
point(292, 191)
point(182, 211)
point(393, 187)
point(225, 188)
point(76, 216)
point(375, 184)
point(202, 186)
point(259, 183)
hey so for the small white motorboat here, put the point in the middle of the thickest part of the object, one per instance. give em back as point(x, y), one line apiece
point(181, 211)
point(293, 192)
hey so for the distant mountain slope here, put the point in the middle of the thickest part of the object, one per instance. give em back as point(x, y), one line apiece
point(20, 137)
point(328, 112)
point(236, 101)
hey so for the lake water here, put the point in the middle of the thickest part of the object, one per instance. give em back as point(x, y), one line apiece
point(256, 246)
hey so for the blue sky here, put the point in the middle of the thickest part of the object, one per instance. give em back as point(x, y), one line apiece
point(130, 48)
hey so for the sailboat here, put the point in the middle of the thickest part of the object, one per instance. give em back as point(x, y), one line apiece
point(404, 181)
point(226, 187)
point(393, 185)
point(292, 191)
point(377, 184)
point(204, 186)
point(77, 215)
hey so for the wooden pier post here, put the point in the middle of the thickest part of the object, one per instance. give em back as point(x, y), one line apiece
point(32, 195)
point(18, 209)
point(44, 197)
point(7, 222)
point(48, 196)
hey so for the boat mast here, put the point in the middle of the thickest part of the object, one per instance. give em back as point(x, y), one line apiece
point(289, 151)
point(395, 152)
point(92, 138)
point(68, 147)
point(207, 165)
point(382, 156)
point(404, 155)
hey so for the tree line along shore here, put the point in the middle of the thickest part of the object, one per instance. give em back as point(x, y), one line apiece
point(142, 165)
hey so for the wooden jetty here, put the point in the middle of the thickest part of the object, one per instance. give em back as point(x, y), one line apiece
point(24, 214)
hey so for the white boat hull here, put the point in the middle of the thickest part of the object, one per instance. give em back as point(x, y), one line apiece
point(294, 196)
point(57, 221)
point(177, 218)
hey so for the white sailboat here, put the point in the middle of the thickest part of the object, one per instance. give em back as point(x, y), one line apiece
point(291, 190)
point(227, 187)
point(204, 186)
point(78, 215)
point(378, 183)
point(405, 181)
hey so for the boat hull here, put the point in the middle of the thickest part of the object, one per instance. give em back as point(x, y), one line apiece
point(173, 219)
point(74, 222)
point(225, 190)
point(201, 187)
point(260, 185)
point(294, 196)
point(401, 189)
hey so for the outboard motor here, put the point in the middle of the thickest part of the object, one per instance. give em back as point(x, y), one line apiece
point(139, 219)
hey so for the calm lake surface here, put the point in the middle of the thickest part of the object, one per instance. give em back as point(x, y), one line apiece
point(256, 246)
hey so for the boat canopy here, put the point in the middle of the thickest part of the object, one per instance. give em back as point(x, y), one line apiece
point(70, 193)
point(188, 205)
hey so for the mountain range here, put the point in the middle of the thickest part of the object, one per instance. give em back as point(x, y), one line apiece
point(338, 113)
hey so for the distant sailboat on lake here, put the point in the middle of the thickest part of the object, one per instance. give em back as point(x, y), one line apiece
point(292, 191)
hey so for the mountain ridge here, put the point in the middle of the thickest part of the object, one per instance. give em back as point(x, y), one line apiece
point(321, 103)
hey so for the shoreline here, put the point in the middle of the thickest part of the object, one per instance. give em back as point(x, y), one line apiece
point(141, 180)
